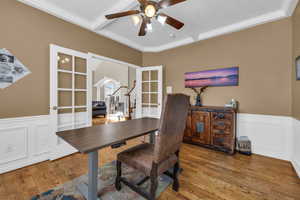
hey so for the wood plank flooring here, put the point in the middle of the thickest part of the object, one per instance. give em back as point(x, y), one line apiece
point(207, 175)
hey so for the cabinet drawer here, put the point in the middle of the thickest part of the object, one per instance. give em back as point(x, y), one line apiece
point(222, 125)
point(224, 142)
point(221, 132)
point(222, 116)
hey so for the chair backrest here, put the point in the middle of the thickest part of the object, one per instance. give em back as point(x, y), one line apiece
point(172, 126)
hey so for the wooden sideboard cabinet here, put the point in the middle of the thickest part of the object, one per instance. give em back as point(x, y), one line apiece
point(212, 127)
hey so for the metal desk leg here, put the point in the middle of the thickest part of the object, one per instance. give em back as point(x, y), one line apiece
point(152, 137)
point(90, 191)
point(93, 176)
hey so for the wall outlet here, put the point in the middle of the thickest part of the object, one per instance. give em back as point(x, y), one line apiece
point(169, 89)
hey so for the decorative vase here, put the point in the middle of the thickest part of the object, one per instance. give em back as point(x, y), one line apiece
point(198, 100)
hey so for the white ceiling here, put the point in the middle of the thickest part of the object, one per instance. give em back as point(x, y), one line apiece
point(203, 19)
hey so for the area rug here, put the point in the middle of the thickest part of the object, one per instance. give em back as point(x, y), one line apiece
point(106, 187)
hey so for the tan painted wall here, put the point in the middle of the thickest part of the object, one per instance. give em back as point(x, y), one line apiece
point(296, 52)
point(27, 33)
point(264, 55)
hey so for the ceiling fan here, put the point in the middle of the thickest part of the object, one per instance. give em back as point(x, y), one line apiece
point(150, 10)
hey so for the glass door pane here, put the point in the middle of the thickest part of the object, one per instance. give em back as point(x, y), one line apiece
point(64, 62)
point(65, 66)
point(150, 93)
point(81, 96)
point(72, 91)
point(80, 65)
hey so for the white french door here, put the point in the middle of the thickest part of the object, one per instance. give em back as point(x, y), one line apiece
point(149, 91)
point(69, 95)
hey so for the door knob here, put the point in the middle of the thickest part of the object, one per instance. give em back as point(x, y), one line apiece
point(53, 108)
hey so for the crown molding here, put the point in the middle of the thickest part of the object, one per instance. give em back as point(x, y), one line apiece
point(96, 26)
point(270, 17)
point(289, 7)
point(57, 12)
point(91, 26)
point(220, 31)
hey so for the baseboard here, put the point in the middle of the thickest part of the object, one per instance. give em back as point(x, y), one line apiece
point(296, 148)
point(28, 162)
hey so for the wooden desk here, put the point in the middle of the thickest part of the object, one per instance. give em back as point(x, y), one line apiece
point(90, 140)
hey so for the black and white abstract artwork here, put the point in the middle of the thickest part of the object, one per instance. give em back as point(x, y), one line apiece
point(11, 69)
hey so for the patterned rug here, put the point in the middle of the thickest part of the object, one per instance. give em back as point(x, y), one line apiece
point(106, 187)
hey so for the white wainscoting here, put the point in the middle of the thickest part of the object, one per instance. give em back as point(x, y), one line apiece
point(296, 147)
point(24, 141)
point(271, 136)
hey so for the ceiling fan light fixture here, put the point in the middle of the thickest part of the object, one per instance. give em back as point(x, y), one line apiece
point(136, 19)
point(161, 19)
point(150, 11)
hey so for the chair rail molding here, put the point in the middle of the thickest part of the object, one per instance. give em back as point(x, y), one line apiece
point(24, 141)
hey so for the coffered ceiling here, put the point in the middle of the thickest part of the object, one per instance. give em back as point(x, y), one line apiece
point(203, 19)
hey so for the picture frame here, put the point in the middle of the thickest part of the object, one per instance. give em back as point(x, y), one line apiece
point(298, 68)
point(213, 78)
point(11, 69)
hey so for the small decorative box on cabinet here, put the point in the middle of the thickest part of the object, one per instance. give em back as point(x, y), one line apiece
point(212, 127)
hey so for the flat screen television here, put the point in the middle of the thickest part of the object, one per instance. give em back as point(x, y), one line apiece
point(216, 77)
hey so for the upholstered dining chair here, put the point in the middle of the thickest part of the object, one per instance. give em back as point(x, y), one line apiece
point(155, 159)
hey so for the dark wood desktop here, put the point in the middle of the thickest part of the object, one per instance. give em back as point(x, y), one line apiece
point(90, 140)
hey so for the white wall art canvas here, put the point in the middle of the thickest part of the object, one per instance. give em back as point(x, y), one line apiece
point(11, 69)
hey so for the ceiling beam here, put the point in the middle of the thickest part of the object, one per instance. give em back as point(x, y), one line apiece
point(121, 6)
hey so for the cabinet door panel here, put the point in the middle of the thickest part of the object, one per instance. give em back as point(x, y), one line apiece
point(201, 127)
point(188, 130)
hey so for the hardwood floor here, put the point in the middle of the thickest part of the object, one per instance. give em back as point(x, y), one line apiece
point(100, 120)
point(207, 175)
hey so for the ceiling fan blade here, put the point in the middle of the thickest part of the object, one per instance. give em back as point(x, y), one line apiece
point(143, 2)
point(172, 22)
point(168, 3)
point(143, 28)
point(122, 14)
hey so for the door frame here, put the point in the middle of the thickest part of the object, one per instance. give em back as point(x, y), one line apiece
point(160, 88)
point(63, 150)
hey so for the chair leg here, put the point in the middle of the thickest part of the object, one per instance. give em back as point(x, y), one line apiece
point(119, 174)
point(154, 181)
point(175, 177)
point(175, 174)
point(153, 188)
